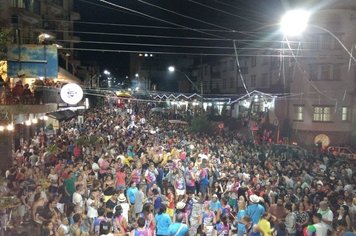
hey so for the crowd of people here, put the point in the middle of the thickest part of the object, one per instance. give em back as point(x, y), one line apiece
point(28, 93)
point(139, 174)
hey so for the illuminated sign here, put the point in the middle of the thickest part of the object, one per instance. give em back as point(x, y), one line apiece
point(71, 94)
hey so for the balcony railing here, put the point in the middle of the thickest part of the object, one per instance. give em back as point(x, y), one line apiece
point(31, 6)
point(17, 96)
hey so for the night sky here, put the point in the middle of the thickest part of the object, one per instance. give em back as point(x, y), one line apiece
point(256, 18)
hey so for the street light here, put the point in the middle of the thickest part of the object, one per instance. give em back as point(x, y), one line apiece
point(172, 69)
point(294, 22)
point(106, 72)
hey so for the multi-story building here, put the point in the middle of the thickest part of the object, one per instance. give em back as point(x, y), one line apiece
point(55, 18)
point(324, 108)
point(318, 84)
point(25, 21)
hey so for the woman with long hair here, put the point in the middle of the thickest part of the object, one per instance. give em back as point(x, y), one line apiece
point(343, 219)
point(171, 202)
point(302, 218)
point(120, 222)
point(147, 214)
point(207, 219)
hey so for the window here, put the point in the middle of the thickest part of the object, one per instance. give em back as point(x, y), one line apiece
point(298, 113)
point(206, 70)
point(264, 80)
point(326, 41)
point(344, 113)
point(224, 67)
point(337, 71)
point(231, 65)
point(224, 83)
point(324, 72)
point(322, 114)
point(253, 61)
point(253, 80)
point(232, 84)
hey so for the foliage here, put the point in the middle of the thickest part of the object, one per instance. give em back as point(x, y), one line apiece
point(82, 141)
point(201, 124)
point(162, 104)
point(4, 40)
point(50, 126)
point(52, 148)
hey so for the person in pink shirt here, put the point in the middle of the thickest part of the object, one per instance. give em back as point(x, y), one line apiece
point(120, 180)
point(104, 165)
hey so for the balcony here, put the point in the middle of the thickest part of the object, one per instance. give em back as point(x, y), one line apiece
point(28, 12)
point(40, 97)
point(55, 7)
point(74, 16)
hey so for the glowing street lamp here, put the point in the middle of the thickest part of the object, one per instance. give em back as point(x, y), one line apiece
point(294, 22)
point(106, 72)
point(171, 69)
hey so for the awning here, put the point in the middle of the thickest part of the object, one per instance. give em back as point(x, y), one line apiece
point(65, 76)
point(62, 115)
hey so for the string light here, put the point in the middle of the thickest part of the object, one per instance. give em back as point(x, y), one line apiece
point(10, 127)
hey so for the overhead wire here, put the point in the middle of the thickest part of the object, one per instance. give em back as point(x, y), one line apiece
point(228, 13)
point(160, 36)
point(169, 45)
point(185, 16)
point(159, 19)
point(179, 53)
point(106, 7)
point(239, 69)
point(258, 14)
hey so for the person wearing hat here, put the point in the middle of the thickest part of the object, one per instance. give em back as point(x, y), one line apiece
point(181, 209)
point(255, 210)
point(124, 205)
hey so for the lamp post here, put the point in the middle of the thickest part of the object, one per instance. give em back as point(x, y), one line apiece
point(172, 69)
point(294, 22)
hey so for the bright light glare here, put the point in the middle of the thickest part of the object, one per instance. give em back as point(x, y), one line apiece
point(294, 22)
point(106, 72)
point(171, 69)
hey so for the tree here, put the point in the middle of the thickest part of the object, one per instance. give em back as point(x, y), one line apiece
point(201, 124)
point(4, 40)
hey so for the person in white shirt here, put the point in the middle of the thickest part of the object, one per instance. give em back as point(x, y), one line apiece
point(318, 227)
point(77, 197)
point(125, 206)
point(326, 214)
point(92, 206)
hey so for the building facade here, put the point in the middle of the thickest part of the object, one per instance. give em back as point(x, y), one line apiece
point(323, 109)
point(33, 22)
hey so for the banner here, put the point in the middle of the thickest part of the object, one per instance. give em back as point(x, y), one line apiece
point(32, 61)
